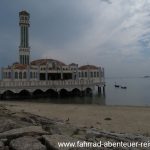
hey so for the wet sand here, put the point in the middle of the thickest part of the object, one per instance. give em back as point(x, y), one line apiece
point(122, 119)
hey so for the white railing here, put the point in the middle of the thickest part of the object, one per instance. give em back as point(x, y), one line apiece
point(58, 83)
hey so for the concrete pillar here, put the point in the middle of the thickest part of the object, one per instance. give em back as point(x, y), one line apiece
point(28, 73)
point(104, 90)
point(61, 73)
point(46, 72)
point(38, 73)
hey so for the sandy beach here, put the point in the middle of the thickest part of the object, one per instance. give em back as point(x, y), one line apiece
point(122, 119)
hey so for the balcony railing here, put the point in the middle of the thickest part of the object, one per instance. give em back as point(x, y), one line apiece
point(58, 83)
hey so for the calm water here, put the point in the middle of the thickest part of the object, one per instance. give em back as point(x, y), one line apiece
point(136, 94)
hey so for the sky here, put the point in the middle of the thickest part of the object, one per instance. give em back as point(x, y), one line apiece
point(114, 34)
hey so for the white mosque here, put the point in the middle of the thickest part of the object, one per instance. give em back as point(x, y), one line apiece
point(44, 69)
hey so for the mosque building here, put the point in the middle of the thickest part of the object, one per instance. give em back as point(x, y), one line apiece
point(44, 69)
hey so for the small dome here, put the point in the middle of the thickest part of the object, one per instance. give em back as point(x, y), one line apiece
point(88, 67)
point(20, 66)
point(45, 61)
point(73, 64)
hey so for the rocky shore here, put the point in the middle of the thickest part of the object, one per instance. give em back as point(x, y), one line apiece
point(26, 131)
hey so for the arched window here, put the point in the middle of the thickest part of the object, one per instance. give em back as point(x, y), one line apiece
point(20, 75)
point(31, 76)
point(16, 75)
point(97, 74)
point(86, 74)
point(24, 75)
point(9, 75)
point(82, 74)
point(92, 74)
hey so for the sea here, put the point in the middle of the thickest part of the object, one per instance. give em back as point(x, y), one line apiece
point(137, 93)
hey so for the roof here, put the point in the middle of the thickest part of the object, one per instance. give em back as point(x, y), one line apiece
point(45, 61)
point(20, 66)
point(88, 67)
point(73, 64)
point(24, 12)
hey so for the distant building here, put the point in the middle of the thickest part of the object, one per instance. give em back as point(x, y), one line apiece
point(45, 69)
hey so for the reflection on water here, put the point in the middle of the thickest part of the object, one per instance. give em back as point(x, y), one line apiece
point(95, 99)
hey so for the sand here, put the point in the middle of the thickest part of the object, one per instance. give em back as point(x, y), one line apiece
point(122, 119)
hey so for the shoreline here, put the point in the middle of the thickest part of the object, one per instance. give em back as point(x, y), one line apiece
point(121, 119)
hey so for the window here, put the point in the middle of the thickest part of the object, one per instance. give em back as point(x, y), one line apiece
point(92, 74)
point(86, 74)
point(34, 75)
point(31, 76)
point(82, 74)
point(16, 75)
point(97, 74)
point(24, 75)
point(20, 75)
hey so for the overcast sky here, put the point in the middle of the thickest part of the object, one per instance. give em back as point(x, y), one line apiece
point(114, 34)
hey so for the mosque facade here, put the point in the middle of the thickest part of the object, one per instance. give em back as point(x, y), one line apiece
point(45, 69)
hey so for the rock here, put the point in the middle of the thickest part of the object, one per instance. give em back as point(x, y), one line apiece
point(1, 145)
point(126, 137)
point(40, 120)
point(29, 120)
point(108, 118)
point(52, 129)
point(7, 124)
point(5, 141)
point(65, 129)
point(90, 136)
point(26, 143)
point(31, 130)
point(79, 133)
point(51, 141)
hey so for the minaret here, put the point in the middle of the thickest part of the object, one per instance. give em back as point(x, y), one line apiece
point(24, 49)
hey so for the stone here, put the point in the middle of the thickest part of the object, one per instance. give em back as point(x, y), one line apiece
point(29, 120)
point(31, 130)
point(108, 118)
point(66, 129)
point(52, 129)
point(1, 145)
point(51, 141)
point(26, 143)
point(7, 124)
point(40, 120)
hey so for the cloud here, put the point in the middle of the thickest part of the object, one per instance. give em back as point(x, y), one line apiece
point(107, 1)
point(114, 34)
